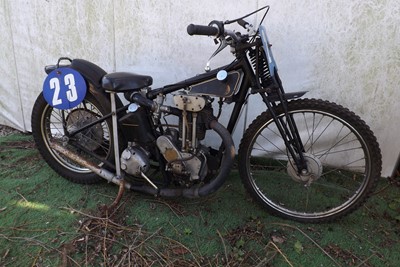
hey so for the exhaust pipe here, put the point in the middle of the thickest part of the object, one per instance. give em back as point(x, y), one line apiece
point(192, 192)
point(109, 176)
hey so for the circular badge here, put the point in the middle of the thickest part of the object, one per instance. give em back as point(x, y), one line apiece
point(64, 88)
point(222, 75)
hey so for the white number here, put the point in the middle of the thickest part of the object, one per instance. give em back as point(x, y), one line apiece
point(72, 94)
point(69, 80)
point(55, 84)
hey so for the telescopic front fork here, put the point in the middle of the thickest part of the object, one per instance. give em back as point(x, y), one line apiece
point(288, 131)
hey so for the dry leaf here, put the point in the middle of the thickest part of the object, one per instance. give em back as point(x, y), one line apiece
point(277, 239)
point(179, 251)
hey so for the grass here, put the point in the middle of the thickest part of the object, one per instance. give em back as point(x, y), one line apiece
point(48, 221)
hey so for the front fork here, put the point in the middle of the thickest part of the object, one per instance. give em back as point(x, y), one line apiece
point(288, 130)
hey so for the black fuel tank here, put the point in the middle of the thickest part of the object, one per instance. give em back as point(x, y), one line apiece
point(215, 87)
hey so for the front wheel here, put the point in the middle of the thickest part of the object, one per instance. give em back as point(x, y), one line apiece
point(342, 155)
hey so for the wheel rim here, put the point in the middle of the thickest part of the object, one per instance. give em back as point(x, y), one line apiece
point(331, 144)
point(55, 124)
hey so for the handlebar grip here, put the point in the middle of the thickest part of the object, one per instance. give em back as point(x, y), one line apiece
point(202, 30)
point(243, 23)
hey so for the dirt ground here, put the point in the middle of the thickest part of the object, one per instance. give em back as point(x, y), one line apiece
point(5, 130)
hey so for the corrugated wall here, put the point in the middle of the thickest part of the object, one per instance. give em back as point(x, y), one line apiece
point(343, 51)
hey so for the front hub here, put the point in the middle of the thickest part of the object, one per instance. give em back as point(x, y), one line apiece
point(313, 173)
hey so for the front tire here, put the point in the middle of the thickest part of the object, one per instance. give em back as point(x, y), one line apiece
point(342, 154)
point(54, 125)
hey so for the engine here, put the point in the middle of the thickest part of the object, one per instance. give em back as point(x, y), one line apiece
point(182, 164)
point(186, 159)
point(135, 160)
point(185, 156)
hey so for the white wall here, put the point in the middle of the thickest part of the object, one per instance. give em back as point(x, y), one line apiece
point(344, 51)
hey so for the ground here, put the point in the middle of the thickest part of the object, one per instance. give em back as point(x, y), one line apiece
point(48, 221)
point(5, 130)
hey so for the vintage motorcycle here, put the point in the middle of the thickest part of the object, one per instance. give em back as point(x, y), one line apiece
point(307, 160)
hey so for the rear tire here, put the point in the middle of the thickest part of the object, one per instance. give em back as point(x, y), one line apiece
point(343, 159)
point(53, 125)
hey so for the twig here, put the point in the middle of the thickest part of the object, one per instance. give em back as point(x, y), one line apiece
point(37, 256)
point(280, 252)
point(264, 261)
point(140, 255)
point(86, 249)
point(108, 239)
point(99, 218)
point(16, 190)
point(159, 256)
point(37, 242)
point(177, 242)
point(18, 228)
point(309, 238)
point(369, 242)
point(118, 207)
point(104, 241)
point(366, 260)
point(6, 253)
point(149, 237)
point(82, 213)
point(43, 245)
point(381, 190)
point(223, 244)
point(174, 228)
point(168, 205)
point(362, 238)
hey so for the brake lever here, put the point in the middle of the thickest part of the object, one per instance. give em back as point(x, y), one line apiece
point(223, 44)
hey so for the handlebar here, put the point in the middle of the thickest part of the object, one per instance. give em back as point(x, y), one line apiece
point(215, 28)
point(202, 30)
point(236, 40)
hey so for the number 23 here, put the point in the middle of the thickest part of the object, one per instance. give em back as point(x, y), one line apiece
point(69, 80)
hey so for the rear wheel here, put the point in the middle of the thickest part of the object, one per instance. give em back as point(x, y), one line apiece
point(342, 155)
point(55, 125)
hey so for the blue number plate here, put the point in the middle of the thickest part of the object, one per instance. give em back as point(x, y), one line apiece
point(64, 88)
